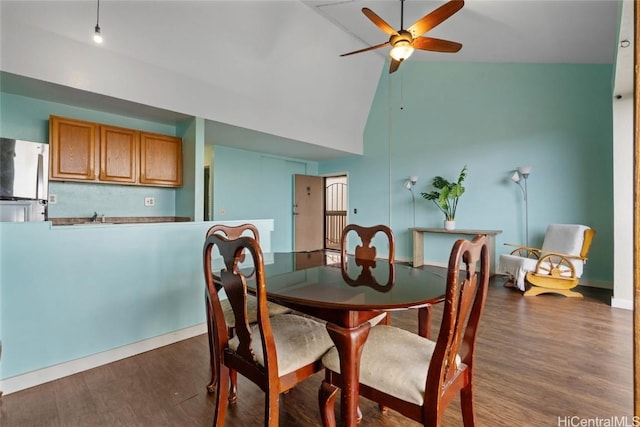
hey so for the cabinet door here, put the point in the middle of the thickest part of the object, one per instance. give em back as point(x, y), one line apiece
point(73, 149)
point(119, 154)
point(160, 160)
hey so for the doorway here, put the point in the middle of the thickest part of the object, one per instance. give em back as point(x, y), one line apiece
point(335, 213)
point(319, 211)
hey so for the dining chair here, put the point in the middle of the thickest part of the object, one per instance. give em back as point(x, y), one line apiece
point(411, 374)
point(233, 232)
point(366, 254)
point(366, 235)
point(276, 352)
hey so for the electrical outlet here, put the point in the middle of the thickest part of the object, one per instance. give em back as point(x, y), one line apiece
point(221, 211)
point(149, 201)
point(53, 199)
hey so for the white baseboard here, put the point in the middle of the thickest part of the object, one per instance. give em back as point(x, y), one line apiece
point(436, 264)
point(627, 304)
point(41, 376)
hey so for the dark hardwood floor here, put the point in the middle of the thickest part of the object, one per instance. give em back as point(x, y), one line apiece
point(539, 360)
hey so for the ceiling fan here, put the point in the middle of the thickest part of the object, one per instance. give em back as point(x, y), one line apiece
point(403, 42)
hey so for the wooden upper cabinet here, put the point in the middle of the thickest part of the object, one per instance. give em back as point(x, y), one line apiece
point(87, 151)
point(119, 148)
point(73, 149)
point(160, 160)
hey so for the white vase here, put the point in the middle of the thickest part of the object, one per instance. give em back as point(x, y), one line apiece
point(449, 225)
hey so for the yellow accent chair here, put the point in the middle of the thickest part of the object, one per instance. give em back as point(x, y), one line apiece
point(554, 268)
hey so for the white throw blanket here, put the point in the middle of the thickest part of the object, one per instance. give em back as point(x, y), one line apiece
point(516, 267)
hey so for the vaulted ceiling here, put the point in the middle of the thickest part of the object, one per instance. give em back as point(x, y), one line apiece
point(273, 67)
point(520, 31)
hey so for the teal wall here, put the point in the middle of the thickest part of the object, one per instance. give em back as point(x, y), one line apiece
point(431, 119)
point(427, 120)
point(70, 292)
point(248, 184)
point(189, 198)
point(28, 118)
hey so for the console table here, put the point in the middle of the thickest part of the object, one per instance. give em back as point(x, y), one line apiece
point(418, 243)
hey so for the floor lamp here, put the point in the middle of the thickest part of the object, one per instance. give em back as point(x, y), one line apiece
point(411, 182)
point(523, 171)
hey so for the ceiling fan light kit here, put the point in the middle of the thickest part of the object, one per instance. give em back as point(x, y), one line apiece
point(401, 50)
point(404, 42)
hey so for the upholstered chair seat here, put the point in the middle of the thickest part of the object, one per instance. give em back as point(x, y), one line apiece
point(299, 340)
point(252, 310)
point(403, 356)
point(380, 318)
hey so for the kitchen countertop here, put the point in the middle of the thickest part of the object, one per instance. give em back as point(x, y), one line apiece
point(118, 220)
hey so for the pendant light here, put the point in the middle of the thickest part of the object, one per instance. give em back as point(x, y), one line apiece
point(97, 37)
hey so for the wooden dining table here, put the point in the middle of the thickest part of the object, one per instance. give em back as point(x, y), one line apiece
point(347, 295)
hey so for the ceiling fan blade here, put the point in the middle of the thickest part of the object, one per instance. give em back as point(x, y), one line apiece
point(436, 45)
point(395, 64)
point(434, 18)
point(380, 23)
point(366, 49)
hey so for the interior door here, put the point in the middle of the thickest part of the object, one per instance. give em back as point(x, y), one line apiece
point(308, 213)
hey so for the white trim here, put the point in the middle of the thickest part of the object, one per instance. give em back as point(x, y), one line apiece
point(441, 264)
point(626, 304)
point(41, 376)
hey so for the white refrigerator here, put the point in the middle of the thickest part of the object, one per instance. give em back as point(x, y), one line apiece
point(24, 180)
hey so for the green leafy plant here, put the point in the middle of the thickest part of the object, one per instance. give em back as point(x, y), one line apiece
point(447, 194)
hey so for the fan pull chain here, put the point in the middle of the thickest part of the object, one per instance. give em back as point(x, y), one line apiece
point(401, 91)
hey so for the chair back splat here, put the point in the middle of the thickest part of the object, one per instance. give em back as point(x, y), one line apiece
point(411, 374)
point(366, 234)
